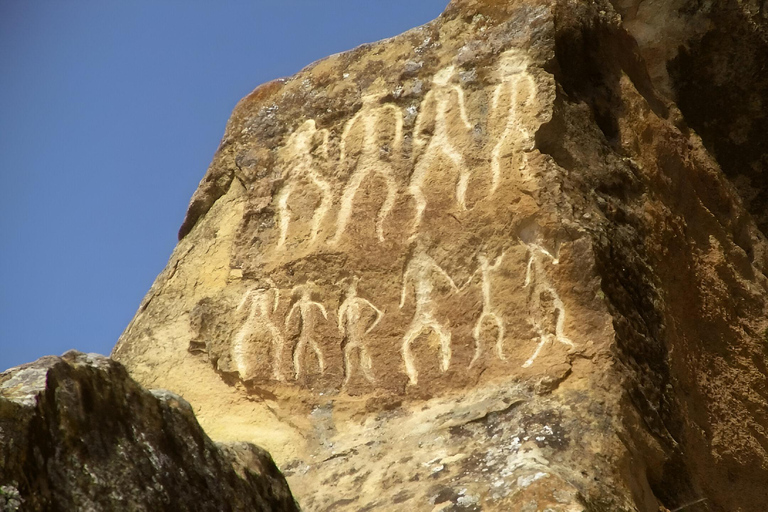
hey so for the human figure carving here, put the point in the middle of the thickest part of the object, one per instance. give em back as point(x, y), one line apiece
point(299, 150)
point(353, 329)
point(536, 278)
point(441, 97)
point(372, 115)
point(489, 312)
point(421, 274)
point(514, 78)
point(263, 304)
point(304, 306)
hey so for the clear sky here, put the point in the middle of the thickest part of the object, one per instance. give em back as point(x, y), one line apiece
point(110, 113)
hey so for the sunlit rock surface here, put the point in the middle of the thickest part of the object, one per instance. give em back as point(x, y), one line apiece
point(483, 265)
point(77, 433)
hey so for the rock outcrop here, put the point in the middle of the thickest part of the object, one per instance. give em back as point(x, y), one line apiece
point(77, 433)
point(484, 265)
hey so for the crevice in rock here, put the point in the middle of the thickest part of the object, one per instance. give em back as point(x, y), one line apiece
point(590, 62)
point(721, 84)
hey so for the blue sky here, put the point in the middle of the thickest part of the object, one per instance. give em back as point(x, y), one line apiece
point(110, 113)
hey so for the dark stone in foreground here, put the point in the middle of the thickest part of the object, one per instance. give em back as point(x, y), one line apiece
point(77, 433)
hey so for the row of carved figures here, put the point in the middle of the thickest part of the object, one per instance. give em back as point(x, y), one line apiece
point(419, 279)
point(444, 97)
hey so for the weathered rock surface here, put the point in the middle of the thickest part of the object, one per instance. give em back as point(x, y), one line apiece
point(77, 433)
point(483, 265)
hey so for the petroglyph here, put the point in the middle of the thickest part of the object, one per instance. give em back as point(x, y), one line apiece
point(540, 286)
point(304, 305)
point(352, 326)
point(421, 274)
point(444, 97)
point(263, 304)
point(371, 116)
point(489, 313)
point(302, 165)
point(514, 81)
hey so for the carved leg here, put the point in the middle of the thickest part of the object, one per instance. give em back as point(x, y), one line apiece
point(366, 364)
point(297, 353)
point(414, 188)
point(320, 360)
point(499, 337)
point(325, 205)
point(345, 209)
point(348, 363)
point(410, 336)
point(530, 360)
point(445, 344)
point(389, 202)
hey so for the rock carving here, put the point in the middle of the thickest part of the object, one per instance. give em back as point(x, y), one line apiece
point(353, 328)
point(420, 274)
point(263, 304)
point(304, 306)
point(441, 96)
point(514, 78)
point(299, 148)
point(536, 278)
point(371, 116)
point(489, 312)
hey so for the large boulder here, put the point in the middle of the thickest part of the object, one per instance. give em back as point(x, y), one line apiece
point(77, 433)
point(485, 264)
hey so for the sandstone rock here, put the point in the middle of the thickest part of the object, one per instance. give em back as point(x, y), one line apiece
point(77, 433)
point(483, 265)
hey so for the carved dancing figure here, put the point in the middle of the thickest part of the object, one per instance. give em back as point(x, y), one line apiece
point(304, 306)
point(353, 330)
point(514, 75)
point(489, 313)
point(537, 279)
point(299, 147)
point(263, 304)
point(371, 115)
point(421, 274)
point(441, 96)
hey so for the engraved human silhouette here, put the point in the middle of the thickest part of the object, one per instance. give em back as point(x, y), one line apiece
point(516, 89)
point(304, 306)
point(263, 303)
point(372, 117)
point(540, 287)
point(444, 97)
point(352, 326)
point(302, 164)
point(489, 312)
point(421, 274)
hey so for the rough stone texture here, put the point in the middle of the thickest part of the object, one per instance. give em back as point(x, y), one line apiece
point(715, 68)
point(483, 265)
point(77, 433)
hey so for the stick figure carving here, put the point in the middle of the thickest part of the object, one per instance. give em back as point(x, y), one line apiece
point(371, 116)
point(539, 283)
point(489, 312)
point(439, 146)
point(421, 274)
point(304, 306)
point(302, 165)
point(353, 330)
point(263, 304)
point(514, 75)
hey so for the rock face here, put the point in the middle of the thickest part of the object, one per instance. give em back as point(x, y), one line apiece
point(484, 265)
point(77, 433)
